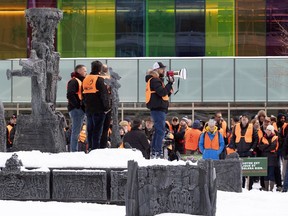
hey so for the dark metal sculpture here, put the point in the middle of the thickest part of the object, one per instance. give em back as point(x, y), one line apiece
point(44, 129)
point(114, 85)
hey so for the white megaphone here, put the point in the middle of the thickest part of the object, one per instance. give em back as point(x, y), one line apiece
point(180, 74)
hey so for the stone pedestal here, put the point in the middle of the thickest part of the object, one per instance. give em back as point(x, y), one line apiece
point(43, 133)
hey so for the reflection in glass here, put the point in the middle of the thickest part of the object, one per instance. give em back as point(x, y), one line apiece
point(71, 30)
point(100, 28)
point(13, 29)
point(250, 80)
point(190, 28)
point(277, 16)
point(160, 28)
point(277, 80)
point(220, 35)
point(218, 78)
point(130, 17)
point(251, 28)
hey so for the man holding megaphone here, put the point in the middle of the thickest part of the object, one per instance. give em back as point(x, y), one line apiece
point(157, 100)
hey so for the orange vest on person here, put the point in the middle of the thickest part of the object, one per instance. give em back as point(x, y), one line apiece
point(248, 135)
point(149, 92)
point(275, 126)
point(9, 128)
point(265, 141)
point(89, 84)
point(169, 126)
point(224, 129)
point(191, 138)
point(260, 134)
point(211, 144)
point(79, 92)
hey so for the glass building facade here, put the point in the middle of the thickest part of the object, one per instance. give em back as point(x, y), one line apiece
point(152, 28)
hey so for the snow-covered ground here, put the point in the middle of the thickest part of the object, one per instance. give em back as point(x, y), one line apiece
point(254, 202)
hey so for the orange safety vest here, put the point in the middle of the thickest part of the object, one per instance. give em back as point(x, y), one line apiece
point(9, 128)
point(82, 135)
point(248, 134)
point(149, 92)
point(191, 138)
point(79, 92)
point(260, 134)
point(265, 141)
point(224, 129)
point(211, 144)
point(89, 84)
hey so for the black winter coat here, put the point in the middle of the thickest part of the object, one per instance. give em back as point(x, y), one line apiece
point(72, 96)
point(156, 102)
point(137, 139)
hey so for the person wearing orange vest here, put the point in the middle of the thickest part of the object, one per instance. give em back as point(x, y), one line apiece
point(75, 105)
point(223, 126)
point(157, 101)
point(179, 136)
point(10, 132)
point(244, 141)
point(192, 136)
point(268, 145)
point(211, 142)
point(97, 104)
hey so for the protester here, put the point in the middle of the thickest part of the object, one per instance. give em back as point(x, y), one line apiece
point(211, 142)
point(157, 101)
point(137, 138)
point(75, 104)
point(10, 132)
point(192, 136)
point(96, 100)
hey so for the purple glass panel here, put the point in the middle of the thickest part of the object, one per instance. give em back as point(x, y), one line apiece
point(276, 18)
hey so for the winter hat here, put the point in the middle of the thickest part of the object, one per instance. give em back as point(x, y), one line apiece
point(136, 123)
point(158, 65)
point(196, 124)
point(123, 123)
point(270, 128)
point(185, 118)
point(280, 115)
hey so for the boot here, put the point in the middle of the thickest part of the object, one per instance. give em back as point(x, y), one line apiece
point(271, 185)
point(266, 185)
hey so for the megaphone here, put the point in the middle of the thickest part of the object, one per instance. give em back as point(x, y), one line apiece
point(180, 74)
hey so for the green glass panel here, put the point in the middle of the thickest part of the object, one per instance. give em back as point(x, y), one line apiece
point(101, 28)
point(13, 42)
point(72, 29)
point(251, 28)
point(220, 40)
point(160, 28)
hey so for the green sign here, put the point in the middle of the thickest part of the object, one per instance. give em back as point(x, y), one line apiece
point(256, 166)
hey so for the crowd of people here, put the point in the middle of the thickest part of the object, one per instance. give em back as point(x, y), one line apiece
point(89, 107)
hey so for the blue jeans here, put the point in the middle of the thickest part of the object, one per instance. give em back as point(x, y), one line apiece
point(77, 117)
point(159, 118)
point(95, 123)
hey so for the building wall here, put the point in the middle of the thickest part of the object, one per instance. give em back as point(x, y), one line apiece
point(152, 28)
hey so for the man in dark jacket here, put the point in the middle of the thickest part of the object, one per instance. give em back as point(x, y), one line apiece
point(244, 141)
point(157, 100)
point(75, 105)
point(96, 100)
point(137, 138)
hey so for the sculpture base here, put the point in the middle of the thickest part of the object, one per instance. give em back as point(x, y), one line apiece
point(43, 133)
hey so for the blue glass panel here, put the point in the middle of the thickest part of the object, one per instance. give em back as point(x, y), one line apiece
point(130, 16)
point(190, 28)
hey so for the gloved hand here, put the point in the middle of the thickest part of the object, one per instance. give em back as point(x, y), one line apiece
point(170, 79)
